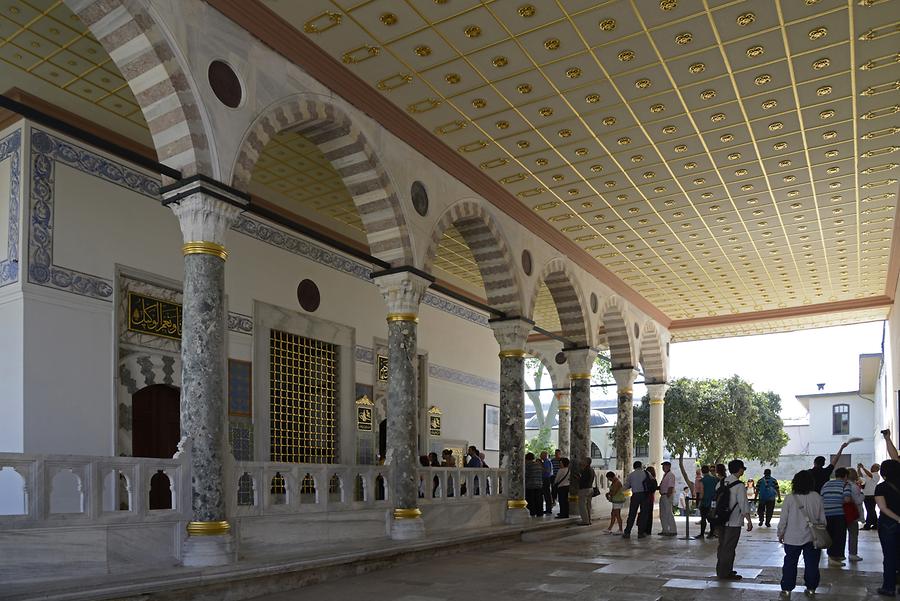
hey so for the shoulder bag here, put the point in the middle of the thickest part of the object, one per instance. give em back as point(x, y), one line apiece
point(820, 537)
point(851, 511)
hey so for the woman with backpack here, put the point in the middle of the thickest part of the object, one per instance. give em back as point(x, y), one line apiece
point(856, 494)
point(801, 510)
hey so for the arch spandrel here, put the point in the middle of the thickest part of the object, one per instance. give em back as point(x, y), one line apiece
point(351, 155)
point(137, 45)
point(484, 237)
point(568, 298)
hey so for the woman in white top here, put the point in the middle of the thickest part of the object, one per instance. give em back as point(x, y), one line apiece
point(563, 482)
point(800, 508)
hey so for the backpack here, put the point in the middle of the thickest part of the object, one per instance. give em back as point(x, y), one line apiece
point(723, 508)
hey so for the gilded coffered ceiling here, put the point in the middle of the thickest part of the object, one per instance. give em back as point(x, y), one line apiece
point(718, 157)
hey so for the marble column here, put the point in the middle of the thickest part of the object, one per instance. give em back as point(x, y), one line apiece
point(657, 394)
point(204, 221)
point(580, 362)
point(563, 407)
point(625, 378)
point(403, 291)
point(512, 334)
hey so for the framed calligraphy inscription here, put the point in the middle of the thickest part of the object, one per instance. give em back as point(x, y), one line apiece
point(382, 367)
point(154, 316)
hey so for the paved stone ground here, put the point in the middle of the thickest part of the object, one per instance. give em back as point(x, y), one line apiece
point(585, 564)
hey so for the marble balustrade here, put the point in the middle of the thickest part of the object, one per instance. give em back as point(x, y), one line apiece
point(65, 490)
point(453, 484)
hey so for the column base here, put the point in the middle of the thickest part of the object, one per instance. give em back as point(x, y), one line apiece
point(207, 551)
point(516, 512)
point(412, 528)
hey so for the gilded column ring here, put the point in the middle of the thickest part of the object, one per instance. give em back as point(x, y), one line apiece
point(407, 514)
point(657, 401)
point(626, 390)
point(403, 317)
point(208, 528)
point(584, 376)
point(516, 504)
point(512, 354)
point(200, 247)
point(563, 408)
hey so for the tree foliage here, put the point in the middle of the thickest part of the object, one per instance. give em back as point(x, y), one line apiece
point(716, 420)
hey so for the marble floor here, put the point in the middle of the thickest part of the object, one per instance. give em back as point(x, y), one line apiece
point(585, 564)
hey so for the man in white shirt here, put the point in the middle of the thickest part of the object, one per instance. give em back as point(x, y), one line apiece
point(870, 481)
point(730, 532)
point(667, 500)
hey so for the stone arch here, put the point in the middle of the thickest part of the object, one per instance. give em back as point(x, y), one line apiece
point(485, 239)
point(137, 45)
point(653, 358)
point(621, 344)
point(567, 297)
point(342, 143)
point(558, 373)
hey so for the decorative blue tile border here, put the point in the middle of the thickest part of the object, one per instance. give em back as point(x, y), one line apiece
point(10, 147)
point(366, 355)
point(46, 151)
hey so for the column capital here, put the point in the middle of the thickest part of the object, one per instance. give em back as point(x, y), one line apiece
point(205, 208)
point(511, 333)
point(402, 291)
point(625, 377)
point(657, 393)
point(580, 362)
point(563, 398)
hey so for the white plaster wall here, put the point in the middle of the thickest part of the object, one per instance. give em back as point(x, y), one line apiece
point(11, 378)
point(69, 353)
point(889, 416)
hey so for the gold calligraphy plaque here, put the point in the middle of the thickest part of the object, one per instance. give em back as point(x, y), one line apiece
point(154, 316)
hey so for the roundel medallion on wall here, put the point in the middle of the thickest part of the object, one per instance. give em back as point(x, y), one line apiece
point(526, 262)
point(667, 349)
point(593, 302)
point(560, 358)
point(419, 198)
point(637, 331)
point(225, 84)
point(308, 295)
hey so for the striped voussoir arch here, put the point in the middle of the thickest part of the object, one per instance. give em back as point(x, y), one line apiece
point(492, 255)
point(567, 297)
point(137, 46)
point(621, 343)
point(346, 148)
point(652, 358)
point(558, 373)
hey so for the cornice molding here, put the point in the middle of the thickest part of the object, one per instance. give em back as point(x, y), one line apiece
point(272, 30)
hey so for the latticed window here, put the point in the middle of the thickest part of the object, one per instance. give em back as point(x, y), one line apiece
point(303, 398)
point(840, 419)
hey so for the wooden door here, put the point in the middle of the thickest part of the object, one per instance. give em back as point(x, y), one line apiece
point(155, 431)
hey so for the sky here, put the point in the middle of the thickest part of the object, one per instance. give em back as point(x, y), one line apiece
point(788, 364)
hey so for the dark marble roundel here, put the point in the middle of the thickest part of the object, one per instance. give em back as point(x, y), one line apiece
point(667, 349)
point(637, 331)
point(225, 84)
point(419, 198)
point(526, 262)
point(308, 295)
point(593, 302)
point(560, 358)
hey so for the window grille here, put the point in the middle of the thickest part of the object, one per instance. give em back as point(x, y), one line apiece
point(840, 419)
point(303, 398)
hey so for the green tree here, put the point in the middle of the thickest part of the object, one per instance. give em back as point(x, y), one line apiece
point(717, 420)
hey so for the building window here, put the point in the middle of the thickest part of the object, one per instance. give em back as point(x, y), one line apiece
point(595, 451)
point(303, 398)
point(840, 419)
point(641, 450)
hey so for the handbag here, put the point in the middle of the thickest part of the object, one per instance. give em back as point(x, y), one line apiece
point(595, 492)
point(820, 537)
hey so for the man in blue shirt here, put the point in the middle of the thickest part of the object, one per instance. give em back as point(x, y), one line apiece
point(556, 462)
point(708, 494)
point(834, 494)
point(767, 491)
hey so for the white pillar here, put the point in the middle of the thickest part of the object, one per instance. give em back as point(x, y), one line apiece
point(657, 394)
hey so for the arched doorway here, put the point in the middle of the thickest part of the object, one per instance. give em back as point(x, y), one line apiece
point(155, 421)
